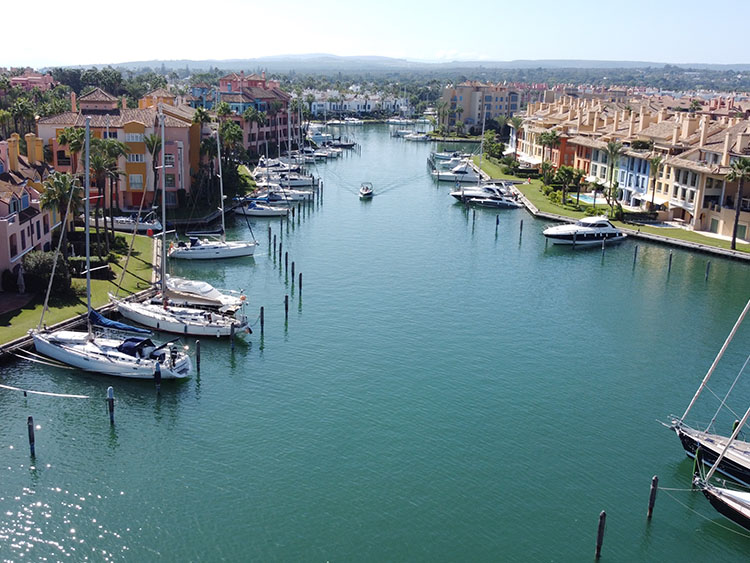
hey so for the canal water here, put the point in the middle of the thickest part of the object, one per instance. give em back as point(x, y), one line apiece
point(446, 388)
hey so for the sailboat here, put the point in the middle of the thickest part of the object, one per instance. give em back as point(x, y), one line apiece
point(134, 357)
point(732, 503)
point(168, 317)
point(207, 245)
point(735, 462)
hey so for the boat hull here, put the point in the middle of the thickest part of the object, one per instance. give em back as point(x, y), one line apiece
point(199, 323)
point(72, 349)
point(710, 449)
point(726, 505)
point(213, 250)
point(584, 240)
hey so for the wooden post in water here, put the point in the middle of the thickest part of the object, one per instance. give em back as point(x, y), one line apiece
point(652, 496)
point(635, 255)
point(269, 238)
point(157, 376)
point(708, 269)
point(286, 263)
point(300, 284)
point(281, 246)
point(231, 336)
point(497, 222)
point(32, 441)
point(600, 533)
point(274, 246)
point(520, 233)
point(292, 212)
point(669, 268)
point(262, 320)
point(198, 355)
point(292, 271)
point(286, 308)
point(111, 404)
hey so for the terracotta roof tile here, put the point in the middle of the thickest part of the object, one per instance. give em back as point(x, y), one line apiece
point(97, 95)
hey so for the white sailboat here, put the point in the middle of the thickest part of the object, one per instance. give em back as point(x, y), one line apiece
point(735, 462)
point(209, 245)
point(133, 357)
point(178, 319)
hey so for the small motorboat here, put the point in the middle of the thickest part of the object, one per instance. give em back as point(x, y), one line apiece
point(365, 190)
point(464, 172)
point(585, 232)
point(128, 224)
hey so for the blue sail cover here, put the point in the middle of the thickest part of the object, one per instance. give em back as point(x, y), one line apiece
point(98, 320)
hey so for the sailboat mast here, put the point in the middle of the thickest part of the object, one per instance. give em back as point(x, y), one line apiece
point(221, 186)
point(163, 208)
point(289, 131)
point(87, 209)
point(716, 361)
point(481, 144)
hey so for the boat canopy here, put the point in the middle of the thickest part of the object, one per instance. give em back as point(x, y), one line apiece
point(135, 346)
point(98, 319)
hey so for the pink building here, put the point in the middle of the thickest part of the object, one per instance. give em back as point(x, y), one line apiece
point(30, 80)
point(24, 225)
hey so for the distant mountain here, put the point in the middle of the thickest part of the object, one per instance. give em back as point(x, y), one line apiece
point(320, 62)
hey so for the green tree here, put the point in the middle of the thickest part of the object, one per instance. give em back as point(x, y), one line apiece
point(740, 172)
point(547, 172)
point(223, 110)
point(654, 169)
point(201, 116)
point(613, 152)
point(153, 146)
point(578, 175)
point(549, 140)
point(73, 138)
point(565, 175)
point(59, 189)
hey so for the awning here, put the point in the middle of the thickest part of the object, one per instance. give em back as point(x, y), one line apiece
point(529, 159)
point(658, 198)
point(506, 152)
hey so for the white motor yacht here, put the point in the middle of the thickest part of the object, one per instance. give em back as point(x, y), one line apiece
point(259, 209)
point(464, 172)
point(586, 231)
point(480, 191)
point(128, 224)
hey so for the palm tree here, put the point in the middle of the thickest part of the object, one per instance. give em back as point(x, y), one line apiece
point(459, 111)
point(153, 146)
point(613, 151)
point(73, 138)
point(59, 189)
point(565, 175)
point(578, 175)
point(654, 169)
point(516, 122)
point(5, 117)
point(695, 105)
point(740, 172)
point(501, 121)
point(22, 111)
point(223, 110)
point(114, 149)
point(547, 170)
point(442, 111)
point(100, 164)
point(201, 116)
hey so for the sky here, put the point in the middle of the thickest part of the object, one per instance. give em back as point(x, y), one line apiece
point(85, 32)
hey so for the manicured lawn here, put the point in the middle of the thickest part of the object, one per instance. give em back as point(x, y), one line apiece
point(540, 201)
point(138, 277)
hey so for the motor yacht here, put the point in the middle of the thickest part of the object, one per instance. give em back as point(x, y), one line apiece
point(586, 231)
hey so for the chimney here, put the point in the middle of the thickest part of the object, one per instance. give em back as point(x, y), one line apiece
point(631, 124)
point(725, 154)
point(124, 102)
point(73, 106)
point(689, 126)
point(704, 131)
point(742, 141)
point(39, 148)
point(13, 152)
point(30, 147)
point(661, 115)
point(595, 123)
point(675, 133)
point(617, 122)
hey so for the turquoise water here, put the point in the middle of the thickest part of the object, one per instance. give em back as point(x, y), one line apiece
point(442, 391)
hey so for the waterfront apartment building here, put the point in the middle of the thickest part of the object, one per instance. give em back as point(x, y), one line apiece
point(111, 118)
point(24, 225)
point(697, 151)
point(470, 102)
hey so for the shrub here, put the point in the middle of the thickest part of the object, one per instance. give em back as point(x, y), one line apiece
point(555, 197)
point(9, 281)
point(37, 268)
point(591, 211)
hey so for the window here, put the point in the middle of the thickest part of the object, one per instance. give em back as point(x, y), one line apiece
point(169, 180)
point(62, 158)
point(168, 159)
point(23, 239)
point(24, 200)
point(13, 245)
point(38, 230)
point(133, 137)
point(46, 224)
point(136, 157)
point(135, 181)
point(171, 199)
point(110, 135)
